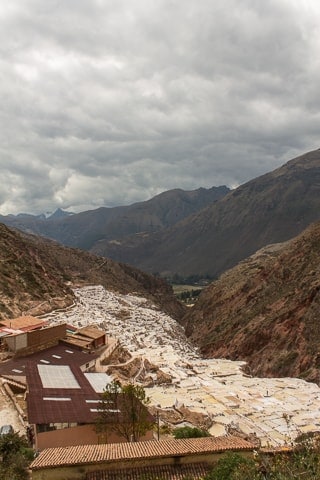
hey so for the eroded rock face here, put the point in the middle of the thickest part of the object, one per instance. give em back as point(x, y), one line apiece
point(139, 369)
point(30, 282)
point(265, 311)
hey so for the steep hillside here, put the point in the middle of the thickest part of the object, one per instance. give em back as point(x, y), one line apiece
point(83, 230)
point(36, 275)
point(265, 310)
point(272, 208)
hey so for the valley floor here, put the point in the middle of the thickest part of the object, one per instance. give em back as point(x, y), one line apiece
point(275, 410)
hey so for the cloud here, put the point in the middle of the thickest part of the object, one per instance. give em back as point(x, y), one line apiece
point(108, 103)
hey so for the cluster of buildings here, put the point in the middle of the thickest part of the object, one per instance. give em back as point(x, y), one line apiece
point(58, 370)
point(55, 368)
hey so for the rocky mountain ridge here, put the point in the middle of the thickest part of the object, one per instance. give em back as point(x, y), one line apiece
point(36, 276)
point(265, 310)
point(200, 233)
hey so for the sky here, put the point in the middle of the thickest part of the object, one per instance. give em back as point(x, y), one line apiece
point(110, 102)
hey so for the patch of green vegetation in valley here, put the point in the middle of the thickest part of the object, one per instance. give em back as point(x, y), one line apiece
point(187, 293)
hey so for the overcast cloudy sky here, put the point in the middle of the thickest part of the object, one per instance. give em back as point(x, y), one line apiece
point(108, 102)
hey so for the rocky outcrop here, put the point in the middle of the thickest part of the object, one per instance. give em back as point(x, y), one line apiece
point(37, 276)
point(28, 283)
point(265, 311)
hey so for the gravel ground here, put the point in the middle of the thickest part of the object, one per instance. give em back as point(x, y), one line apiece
point(8, 414)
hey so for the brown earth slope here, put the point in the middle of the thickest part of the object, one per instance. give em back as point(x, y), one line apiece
point(266, 310)
point(36, 276)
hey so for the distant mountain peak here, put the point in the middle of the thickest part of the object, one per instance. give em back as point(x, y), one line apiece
point(59, 213)
point(89, 228)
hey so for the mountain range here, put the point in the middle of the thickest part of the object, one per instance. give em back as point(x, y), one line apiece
point(85, 229)
point(198, 233)
point(272, 208)
point(262, 240)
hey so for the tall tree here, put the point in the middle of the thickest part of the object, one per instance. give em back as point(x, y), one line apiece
point(123, 410)
point(15, 457)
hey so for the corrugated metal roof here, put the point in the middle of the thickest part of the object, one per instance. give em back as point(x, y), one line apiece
point(77, 340)
point(57, 355)
point(91, 332)
point(77, 409)
point(81, 406)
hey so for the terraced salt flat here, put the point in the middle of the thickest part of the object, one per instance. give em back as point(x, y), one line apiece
point(276, 410)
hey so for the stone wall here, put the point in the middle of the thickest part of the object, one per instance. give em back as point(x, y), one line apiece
point(79, 472)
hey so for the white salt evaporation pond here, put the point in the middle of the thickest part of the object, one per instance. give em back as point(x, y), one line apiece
point(275, 409)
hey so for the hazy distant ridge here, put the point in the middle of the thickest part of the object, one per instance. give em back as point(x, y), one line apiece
point(271, 208)
point(197, 233)
point(85, 229)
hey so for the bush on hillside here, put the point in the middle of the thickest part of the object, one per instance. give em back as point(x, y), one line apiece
point(190, 432)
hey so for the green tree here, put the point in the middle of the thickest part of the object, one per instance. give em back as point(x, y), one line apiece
point(16, 457)
point(302, 462)
point(234, 466)
point(123, 410)
point(190, 432)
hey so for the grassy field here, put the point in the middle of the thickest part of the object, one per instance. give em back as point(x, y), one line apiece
point(187, 293)
point(177, 289)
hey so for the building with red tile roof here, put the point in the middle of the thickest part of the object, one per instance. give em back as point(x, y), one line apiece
point(78, 462)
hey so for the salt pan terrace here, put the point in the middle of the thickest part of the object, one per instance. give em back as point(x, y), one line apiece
point(276, 410)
